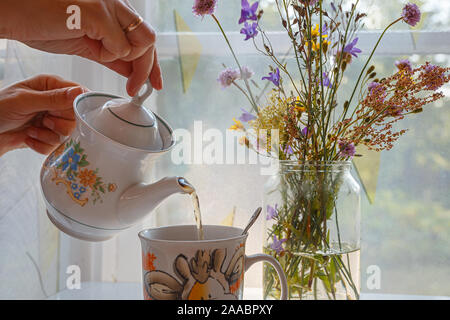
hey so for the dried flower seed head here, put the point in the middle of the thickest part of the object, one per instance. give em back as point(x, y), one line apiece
point(411, 14)
point(204, 7)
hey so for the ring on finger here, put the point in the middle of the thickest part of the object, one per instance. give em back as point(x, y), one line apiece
point(134, 25)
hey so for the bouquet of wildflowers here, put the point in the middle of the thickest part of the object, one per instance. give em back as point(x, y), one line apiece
point(314, 126)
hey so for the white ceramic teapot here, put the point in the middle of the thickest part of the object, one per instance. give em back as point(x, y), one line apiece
point(97, 182)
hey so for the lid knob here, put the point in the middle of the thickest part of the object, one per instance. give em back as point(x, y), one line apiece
point(129, 122)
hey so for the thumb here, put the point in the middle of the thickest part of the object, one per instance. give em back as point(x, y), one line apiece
point(51, 100)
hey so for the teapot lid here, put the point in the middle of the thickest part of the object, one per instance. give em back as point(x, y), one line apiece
point(129, 122)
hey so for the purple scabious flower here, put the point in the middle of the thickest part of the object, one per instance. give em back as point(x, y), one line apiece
point(246, 73)
point(346, 149)
point(204, 7)
point(246, 116)
point(277, 244)
point(403, 64)
point(350, 48)
point(411, 14)
point(313, 2)
point(248, 12)
point(227, 76)
point(272, 212)
point(274, 77)
point(249, 30)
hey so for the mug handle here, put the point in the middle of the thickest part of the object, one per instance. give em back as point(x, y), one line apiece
point(261, 257)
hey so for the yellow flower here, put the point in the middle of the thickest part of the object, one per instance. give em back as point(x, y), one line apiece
point(87, 177)
point(237, 125)
point(298, 107)
point(315, 32)
point(316, 45)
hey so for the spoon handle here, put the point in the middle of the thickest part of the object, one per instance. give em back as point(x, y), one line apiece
point(252, 220)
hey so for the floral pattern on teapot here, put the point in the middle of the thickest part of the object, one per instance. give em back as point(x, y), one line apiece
point(71, 168)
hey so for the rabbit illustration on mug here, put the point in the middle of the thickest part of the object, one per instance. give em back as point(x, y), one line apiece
point(203, 278)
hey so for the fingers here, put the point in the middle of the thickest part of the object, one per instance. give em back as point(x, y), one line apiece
point(59, 125)
point(45, 143)
point(50, 100)
point(156, 78)
point(65, 114)
point(39, 146)
point(44, 135)
point(101, 24)
point(140, 73)
point(12, 140)
point(141, 38)
point(141, 56)
point(44, 82)
point(45, 139)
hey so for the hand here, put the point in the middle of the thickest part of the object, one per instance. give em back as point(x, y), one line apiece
point(36, 112)
point(41, 24)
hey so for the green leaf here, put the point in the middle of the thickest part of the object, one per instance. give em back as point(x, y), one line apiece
point(83, 163)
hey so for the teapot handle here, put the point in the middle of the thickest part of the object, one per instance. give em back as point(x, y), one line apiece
point(139, 99)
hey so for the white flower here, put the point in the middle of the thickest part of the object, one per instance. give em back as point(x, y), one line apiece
point(246, 73)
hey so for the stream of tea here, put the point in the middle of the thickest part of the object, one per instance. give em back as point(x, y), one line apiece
point(197, 215)
point(189, 189)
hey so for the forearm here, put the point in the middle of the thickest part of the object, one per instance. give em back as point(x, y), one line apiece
point(34, 19)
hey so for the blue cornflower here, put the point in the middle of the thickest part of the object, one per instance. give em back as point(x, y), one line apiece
point(248, 12)
point(249, 30)
point(274, 77)
point(350, 48)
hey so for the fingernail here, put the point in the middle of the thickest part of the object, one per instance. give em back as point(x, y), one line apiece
point(48, 123)
point(72, 93)
point(32, 132)
point(160, 83)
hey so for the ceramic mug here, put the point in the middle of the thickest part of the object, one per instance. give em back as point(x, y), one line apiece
point(177, 266)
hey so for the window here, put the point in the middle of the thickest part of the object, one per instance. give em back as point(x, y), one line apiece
point(405, 226)
point(405, 230)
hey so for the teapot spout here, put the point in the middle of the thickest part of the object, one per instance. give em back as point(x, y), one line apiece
point(140, 199)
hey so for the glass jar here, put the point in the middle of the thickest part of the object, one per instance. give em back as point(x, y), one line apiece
point(312, 227)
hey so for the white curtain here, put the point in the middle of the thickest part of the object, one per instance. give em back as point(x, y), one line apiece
point(34, 255)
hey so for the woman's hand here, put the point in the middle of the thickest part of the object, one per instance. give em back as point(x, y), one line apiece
point(36, 112)
point(42, 24)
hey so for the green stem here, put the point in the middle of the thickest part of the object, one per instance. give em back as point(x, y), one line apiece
point(254, 105)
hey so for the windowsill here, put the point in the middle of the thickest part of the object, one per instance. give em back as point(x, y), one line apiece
point(133, 291)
